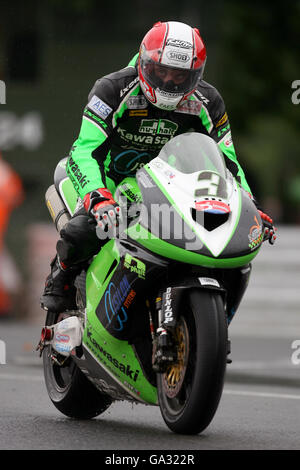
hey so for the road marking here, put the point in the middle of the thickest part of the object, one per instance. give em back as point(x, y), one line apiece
point(245, 393)
point(260, 365)
point(261, 394)
point(27, 378)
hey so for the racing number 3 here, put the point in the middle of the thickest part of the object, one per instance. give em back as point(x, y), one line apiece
point(211, 184)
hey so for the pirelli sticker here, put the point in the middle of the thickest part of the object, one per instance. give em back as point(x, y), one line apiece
point(222, 121)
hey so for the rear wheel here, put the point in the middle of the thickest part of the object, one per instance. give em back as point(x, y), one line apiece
point(190, 390)
point(68, 388)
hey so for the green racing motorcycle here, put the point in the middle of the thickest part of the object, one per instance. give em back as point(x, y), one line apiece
point(154, 305)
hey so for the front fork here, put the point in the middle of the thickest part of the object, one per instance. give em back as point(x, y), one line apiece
point(165, 349)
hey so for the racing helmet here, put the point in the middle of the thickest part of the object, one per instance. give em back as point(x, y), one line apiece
point(171, 61)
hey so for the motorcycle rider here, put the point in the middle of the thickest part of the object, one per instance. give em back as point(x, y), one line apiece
point(129, 116)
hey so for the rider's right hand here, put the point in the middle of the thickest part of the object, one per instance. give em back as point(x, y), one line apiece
point(96, 196)
point(107, 218)
point(105, 211)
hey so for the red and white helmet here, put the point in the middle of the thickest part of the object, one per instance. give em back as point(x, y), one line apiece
point(171, 62)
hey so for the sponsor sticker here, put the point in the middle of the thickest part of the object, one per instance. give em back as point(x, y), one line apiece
point(202, 97)
point(145, 181)
point(62, 338)
point(223, 130)
point(228, 142)
point(63, 348)
point(255, 235)
point(208, 281)
point(99, 107)
point(76, 173)
point(178, 56)
point(106, 357)
point(217, 207)
point(135, 265)
point(157, 164)
point(138, 112)
point(190, 107)
point(222, 121)
point(169, 174)
point(178, 43)
point(137, 102)
point(114, 298)
point(160, 127)
point(129, 87)
point(129, 298)
point(168, 311)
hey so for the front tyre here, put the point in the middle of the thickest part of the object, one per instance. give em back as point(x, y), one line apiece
point(190, 390)
point(69, 389)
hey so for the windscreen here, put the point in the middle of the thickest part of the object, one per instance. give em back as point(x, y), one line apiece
point(191, 152)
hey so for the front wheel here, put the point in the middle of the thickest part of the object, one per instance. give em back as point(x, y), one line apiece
point(190, 390)
point(69, 389)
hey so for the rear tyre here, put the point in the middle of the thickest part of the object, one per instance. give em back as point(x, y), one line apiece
point(190, 390)
point(69, 389)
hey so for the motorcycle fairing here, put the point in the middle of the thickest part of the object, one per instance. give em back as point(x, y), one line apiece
point(117, 326)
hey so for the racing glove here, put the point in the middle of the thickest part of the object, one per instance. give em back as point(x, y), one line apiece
point(270, 229)
point(101, 205)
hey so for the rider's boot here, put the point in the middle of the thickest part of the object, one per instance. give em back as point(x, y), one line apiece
point(59, 293)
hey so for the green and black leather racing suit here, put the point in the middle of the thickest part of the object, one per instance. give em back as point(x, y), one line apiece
point(121, 131)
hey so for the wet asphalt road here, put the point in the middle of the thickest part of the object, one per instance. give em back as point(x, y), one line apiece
point(260, 406)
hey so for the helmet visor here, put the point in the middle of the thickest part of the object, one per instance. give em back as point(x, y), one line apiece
point(169, 79)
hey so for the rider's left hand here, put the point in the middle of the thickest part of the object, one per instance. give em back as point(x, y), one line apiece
point(269, 228)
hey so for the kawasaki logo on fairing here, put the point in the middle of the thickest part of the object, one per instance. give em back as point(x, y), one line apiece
point(124, 368)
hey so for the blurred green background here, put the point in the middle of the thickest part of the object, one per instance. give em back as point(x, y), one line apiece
point(52, 51)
